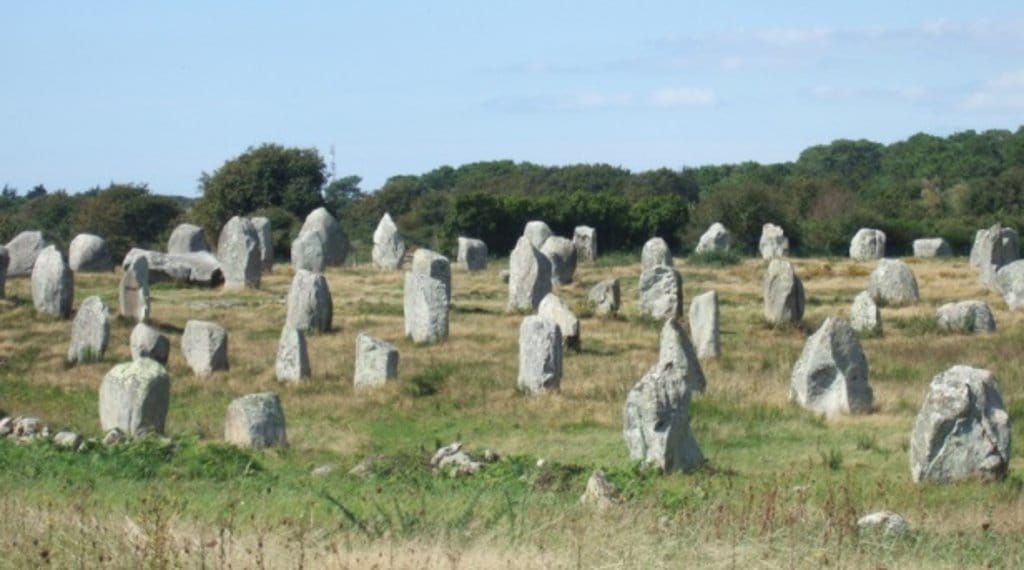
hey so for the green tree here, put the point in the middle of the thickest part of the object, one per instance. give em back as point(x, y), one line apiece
point(340, 194)
point(126, 216)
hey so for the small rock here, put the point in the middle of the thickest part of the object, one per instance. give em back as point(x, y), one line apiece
point(599, 492)
point(888, 522)
point(67, 439)
point(966, 317)
point(324, 470)
point(454, 460)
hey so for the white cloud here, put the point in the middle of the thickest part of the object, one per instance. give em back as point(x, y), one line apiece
point(683, 97)
point(595, 100)
point(833, 94)
point(793, 36)
point(1004, 92)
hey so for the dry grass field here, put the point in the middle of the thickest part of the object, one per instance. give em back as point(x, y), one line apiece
point(782, 487)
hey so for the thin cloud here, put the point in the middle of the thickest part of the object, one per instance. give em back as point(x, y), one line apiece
point(683, 97)
point(1005, 92)
point(793, 36)
point(836, 94)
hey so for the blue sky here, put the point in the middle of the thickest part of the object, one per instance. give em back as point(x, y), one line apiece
point(159, 92)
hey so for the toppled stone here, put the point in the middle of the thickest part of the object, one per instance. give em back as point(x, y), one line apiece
point(554, 308)
point(134, 397)
point(27, 428)
point(308, 253)
point(932, 247)
point(187, 238)
point(335, 242)
point(656, 422)
point(256, 421)
point(292, 364)
point(774, 242)
point(655, 252)
point(53, 284)
point(966, 317)
point(660, 293)
point(88, 253)
point(238, 251)
point(310, 307)
point(605, 297)
point(454, 461)
point(893, 283)
point(23, 251)
point(147, 342)
point(886, 522)
point(67, 440)
point(584, 239)
point(716, 239)
point(537, 232)
point(376, 361)
point(599, 492)
point(472, 254)
point(205, 347)
point(90, 332)
point(540, 355)
point(867, 244)
point(197, 268)
point(529, 277)
point(704, 325)
point(783, 294)
point(831, 375)
point(562, 254)
point(265, 234)
point(865, 317)
point(133, 292)
point(388, 247)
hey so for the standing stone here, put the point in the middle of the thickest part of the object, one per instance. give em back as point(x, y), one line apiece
point(867, 244)
point(238, 250)
point(23, 251)
point(265, 236)
point(893, 283)
point(133, 292)
point(310, 307)
point(5, 260)
point(537, 232)
point(187, 238)
point(831, 376)
point(53, 284)
point(932, 247)
point(205, 347)
point(660, 293)
point(425, 308)
point(472, 254)
point(774, 242)
point(675, 347)
point(704, 325)
point(529, 276)
point(147, 342)
point(376, 361)
point(655, 252)
point(256, 421)
point(994, 248)
point(562, 255)
point(388, 247)
point(966, 316)
point(292, 363)
point(308, 253)
point(134, 397)
point(197, 268)
point(865, 317)
point(584, 238)
point(783, 294)
point(433, 265)
point(656, 421)
point(604, 298)
point(962, 430)
point(1009, 282)
point(716, 239)
point(554, 308)
point(90, 332)
point(335, 242)
point(88, 253)
point(540, 355)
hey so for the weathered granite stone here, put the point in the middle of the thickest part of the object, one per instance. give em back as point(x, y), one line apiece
point(53, 284)
point(472, 254)
point(5, 260)
point(335, 242)
point(308, 253)
point(656, 422)
point(865, 317)
point(147, 342)
point(376, 361)
point(90, 331)
point(932, 247)
point(674, 347)
point(553, 308)
point(67, 440)
point(88, 253)
point(310, 307)
point(238, 251)
point(425, 308)
point(605, 297)
point(886, 522)
point(867, 244)
point(529, 276)
point(562, 254)
point(265, 234)
point(655, 252)
point(133, 292)
point(540, 355)
point(716, 239)
point(134, 397)
point(537, 232)
point(187, 238)
point(256, 421)
point(205, 347)
point(783, 294)
point(704, 325)
point(292, 364)
point(599, 491)
point(198, 268)
point(774, 242)
point(893, 283)
point(660, 293)
point(966, 317)
point(23, 251)
point(434, 265)
point(388, 247)
point(994, 248)
point(831, 376)
point(584, 238)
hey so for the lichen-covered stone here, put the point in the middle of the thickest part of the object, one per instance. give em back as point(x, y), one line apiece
point(147, 342)
point(187, 238)
point(88, 253)
point(238, 251)
point(783, 294)
point(133, 292)
point(335, 242)
point(205, 347)
point(90, 331)
point(716, 239)
point(932, 247)
point(704, 328)
point(605, 297)
point(893, 283)
point(537, 232)
point(376, 361)
point(584, 239)
point(773, 243)
point(292, 364)
point(472, 254)
point(529, 277)
point(660, 293)
point(831, 376)
point(23, 251)
point(540, 355)
point(388, 246)
point(562, 254)
point(865, 317)
point(966, 316)
point(256, 421)
point(265, 234)
point(134, 397)
point(656, 422)
point(655, 252)
point(53, 284)
point(867, 244)
point(554, 308)
point(309, 303)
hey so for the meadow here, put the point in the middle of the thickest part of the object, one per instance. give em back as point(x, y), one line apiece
point(782, 487)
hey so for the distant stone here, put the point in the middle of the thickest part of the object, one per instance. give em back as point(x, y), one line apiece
point(472, 254)
point(660, 293)
point(783, 294)
point(308, 253)
point(932, 247)
point(537, 232)
point(584, 238)
point(656, 422)
point(147, 342)
point(198, 268)
point(310, 307)
point(599, 492)
point(655, 252)
point(552, 307)
point(335, 242)
point(90, 332)
point(704, 325)
point(88, 253)
point(434, 265)
point(256, 421)
point(451, 459)
point(540, 355)
point(238, 251)
point(886, 522)
point(53, 284)
point(187, 238)
point(605, 297)
point(993, 249)
point(134, 397)
point(28, 428)
point(562, 254)
point(675, 348)
point(292, 364)
point(264, 232)
point(893, 283)
point(867, 244)
point(376, 361)
point(962, 430)
point(865, 317)
point(133, 293)
point(5, 260)
point(966, 317)
point(205, 347)
point(23, 251)
point(425, 308)
point(716, 239)
point(774, 242)
point(388, 247)
point(529, 277)
point(831, 375)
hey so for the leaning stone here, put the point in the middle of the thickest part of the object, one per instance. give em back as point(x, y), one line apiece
point(5, 260)
point(147, 342)
point(205, 347)
point(88, 253)
point(893, 283)
point(434, 265)
point(529, 277)
point(660, 293)
point(388, 247)
point(552, 307)
point(962, 430)
point(187, 238)
point(831, 375)
point(198, 268)
point(264, 232)
point(704, 325)
point(867, 244)
point(537, 232)
point(716, 239)
point(133, 292)
point(584, 239)
point(335, 242)
point(292, 364)
point(308, 253)
point(966, 317)
point(656, 422)
point(90, 332)
point(655, 252)
point(53, 284)
point(425, 308)
point(774, 242)
point(23, 251)
point(376, 361)
point(562, 255)
point(599, 492)
point(472, 254)
point(256, 421)
point(540, 355)
point(605, 297)
point(675, 348)
point(886, 522)
point(238, 250)
point(67, 439)
point(932, 247)
point(310, 307)
point(783, 294)
point(134, 397)
point(865, 317)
